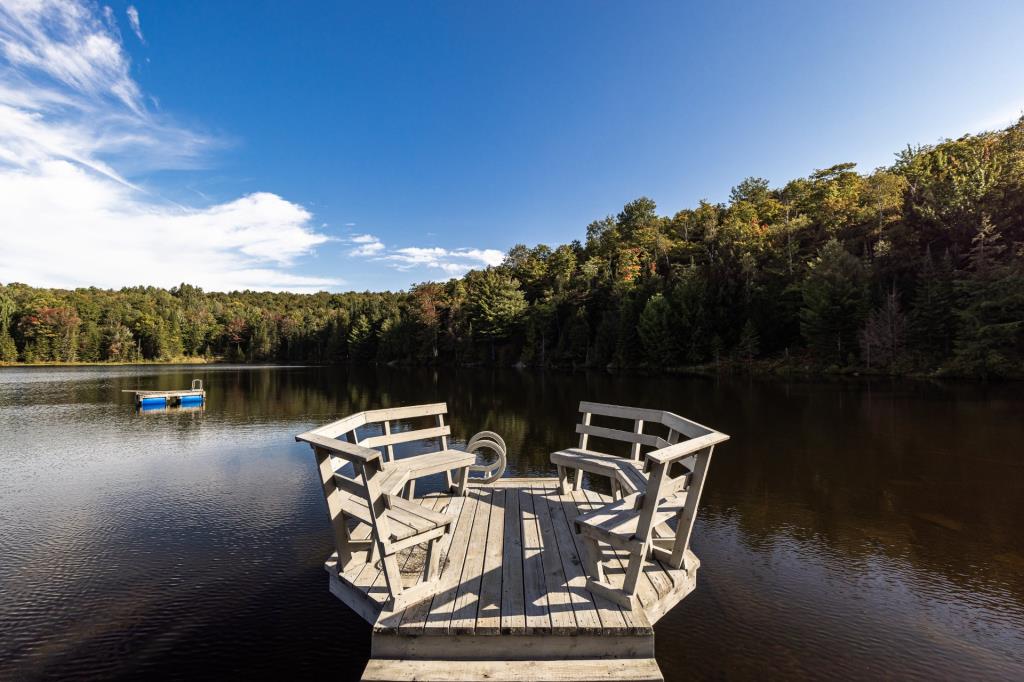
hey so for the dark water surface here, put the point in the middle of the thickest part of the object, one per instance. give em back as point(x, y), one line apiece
point(848, 530)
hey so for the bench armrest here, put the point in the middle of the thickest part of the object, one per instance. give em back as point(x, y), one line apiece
point(686, 448)
point(349, 451)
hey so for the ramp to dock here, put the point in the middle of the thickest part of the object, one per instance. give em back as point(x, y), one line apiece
point(622, 670)
point(512, 602)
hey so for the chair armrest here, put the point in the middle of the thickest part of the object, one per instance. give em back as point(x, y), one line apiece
point(349, 451)
point(686, 448)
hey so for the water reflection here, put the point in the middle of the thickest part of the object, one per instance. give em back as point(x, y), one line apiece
point(848, 528)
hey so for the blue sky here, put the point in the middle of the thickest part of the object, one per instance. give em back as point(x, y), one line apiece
point(334, 146)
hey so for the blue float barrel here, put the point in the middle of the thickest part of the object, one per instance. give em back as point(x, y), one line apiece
point(154, 402)
point(191, 400)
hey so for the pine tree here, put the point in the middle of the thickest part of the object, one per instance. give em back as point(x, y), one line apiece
point(932, 322)
point(360, 339)
point(8, 349)
point(656, 332)
point(991, 318)
point(883, 337)
point(749, 345)
point(834, 302)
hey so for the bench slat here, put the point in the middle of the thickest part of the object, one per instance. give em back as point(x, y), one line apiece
point(624, 436)
point(410, 412)
point(405, 436)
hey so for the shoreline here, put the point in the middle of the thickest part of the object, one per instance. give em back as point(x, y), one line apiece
point(759, 369)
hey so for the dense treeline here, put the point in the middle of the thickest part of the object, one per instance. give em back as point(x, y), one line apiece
point(918, 267)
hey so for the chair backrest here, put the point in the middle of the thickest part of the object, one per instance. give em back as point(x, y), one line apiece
point(640, 417)
point(388, 437)
point(367, 462)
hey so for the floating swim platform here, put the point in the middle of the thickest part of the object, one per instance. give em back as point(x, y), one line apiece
point(191, 397)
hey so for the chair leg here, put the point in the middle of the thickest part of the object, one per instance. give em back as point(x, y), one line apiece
point(616, 490)
point(636, 565)
point(577, 479)
point(393, 575)
point(448, 480)
point(430, 566)
point(593, 558)
point(463, 481)
point(410, 489)
point(563, 480)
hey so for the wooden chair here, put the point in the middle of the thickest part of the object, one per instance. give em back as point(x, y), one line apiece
point(655, 494)
point(372, 496)
point(378, 431)
point(395, 523)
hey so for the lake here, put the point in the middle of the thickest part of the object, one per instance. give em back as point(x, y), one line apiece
point(850, 528)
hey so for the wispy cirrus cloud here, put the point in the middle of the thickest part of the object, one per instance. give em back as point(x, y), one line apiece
point(133, 21)
point(74, 129)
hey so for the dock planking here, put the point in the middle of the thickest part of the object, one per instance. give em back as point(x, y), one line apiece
point(512, 566)
point(512, 585)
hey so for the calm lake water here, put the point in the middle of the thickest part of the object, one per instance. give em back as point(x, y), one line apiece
point(848, 529)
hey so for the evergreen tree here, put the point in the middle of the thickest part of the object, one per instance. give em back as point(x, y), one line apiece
point(749, 344)
point(882, 339)
point(834, 302)
point(657, 332)
point(496, 304)
point(991, 330)
point(360, 342)
point(932, 322)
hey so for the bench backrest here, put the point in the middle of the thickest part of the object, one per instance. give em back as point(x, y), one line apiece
point(388, 437)
point(671, 424)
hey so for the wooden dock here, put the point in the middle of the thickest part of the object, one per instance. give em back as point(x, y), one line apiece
point(512, 602)
point(512, 578)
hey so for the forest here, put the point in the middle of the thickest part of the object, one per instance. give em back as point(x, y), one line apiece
point(915, 268)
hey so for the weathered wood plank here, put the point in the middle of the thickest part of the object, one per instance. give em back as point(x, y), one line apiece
point(538, 619)
point(623, 670)
point(622, 411)
point(443, 604)
point(349, 451)
point(409, 412)
point(563, 616)
point(389, 438)
point(514, 482)
point(463, 620)
point(488, 617)
point(343, 425)
point(583, 605)
point(513, 601)
point(624, 436)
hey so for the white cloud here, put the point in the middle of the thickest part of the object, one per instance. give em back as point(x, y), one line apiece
point(366, 245)
point(133, 20)
point(74, 127)
point(453, 262)
point(64, 226)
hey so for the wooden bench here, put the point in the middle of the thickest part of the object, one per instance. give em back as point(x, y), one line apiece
point(371, 495)
point(402, 473)
point(394, 523)
point(655, 493)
